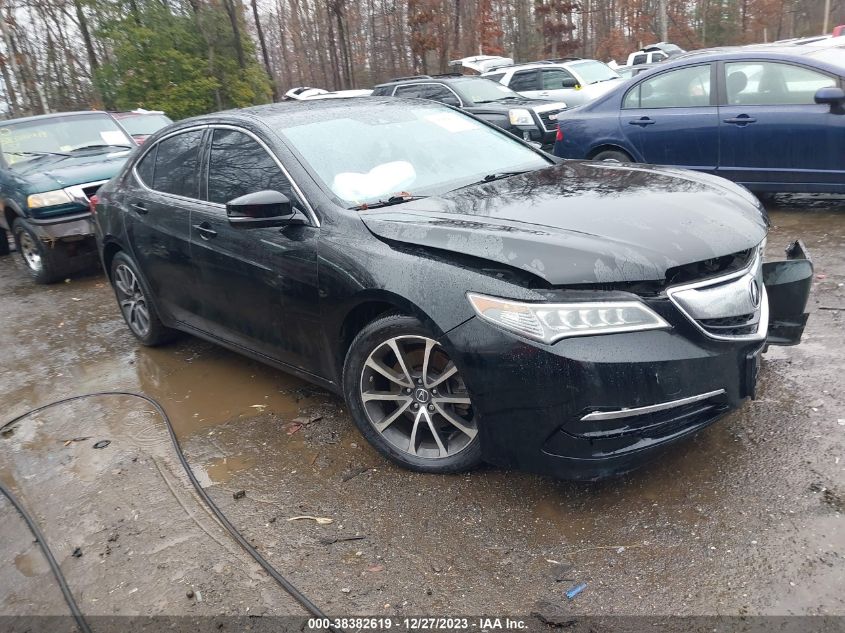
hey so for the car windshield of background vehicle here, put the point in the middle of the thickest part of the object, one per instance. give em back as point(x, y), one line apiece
point(58, 136)
point(144, 124)
point(418, 151)
point(484, 91)
point(592, 72)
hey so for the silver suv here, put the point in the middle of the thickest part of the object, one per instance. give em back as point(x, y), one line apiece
point(576, 82)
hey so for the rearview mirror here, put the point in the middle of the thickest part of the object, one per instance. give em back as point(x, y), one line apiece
point(261, 208)
point(835, 97)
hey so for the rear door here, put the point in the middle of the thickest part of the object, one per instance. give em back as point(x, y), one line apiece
point(258, 285)
point(772, 132)
point(672, 118)
point(158, 220)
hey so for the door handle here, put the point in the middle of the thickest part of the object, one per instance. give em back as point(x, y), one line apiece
point(742, 119)
point(642, 121)
point(205, 231)
point(139, 208)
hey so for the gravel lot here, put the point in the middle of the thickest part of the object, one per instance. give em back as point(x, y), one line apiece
point(745, 519)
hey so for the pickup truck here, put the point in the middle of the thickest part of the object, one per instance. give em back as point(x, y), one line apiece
point(50, 166)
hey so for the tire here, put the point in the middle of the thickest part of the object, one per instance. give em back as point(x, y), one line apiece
point(436, 404)
point(133, 299)
point(613, 155)
point(4, 243)
point(46, 263)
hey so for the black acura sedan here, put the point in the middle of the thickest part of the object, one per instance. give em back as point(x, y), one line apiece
point(470, 297)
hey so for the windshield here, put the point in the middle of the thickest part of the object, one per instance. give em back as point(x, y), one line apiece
point(364, 155)
point(480, 90)
point(592, 72)
point(59, 135)
point(144, 124)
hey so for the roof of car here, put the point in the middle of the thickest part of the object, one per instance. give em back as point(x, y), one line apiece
point(427, 79)
point(52, 115)
point(775, 52)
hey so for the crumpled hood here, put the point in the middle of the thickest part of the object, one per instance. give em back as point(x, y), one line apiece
point(59, 172)
point(584, 222)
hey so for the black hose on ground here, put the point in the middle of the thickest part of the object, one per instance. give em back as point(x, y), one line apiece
point(283, 582)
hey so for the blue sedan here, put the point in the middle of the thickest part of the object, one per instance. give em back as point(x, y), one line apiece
point(772, 119)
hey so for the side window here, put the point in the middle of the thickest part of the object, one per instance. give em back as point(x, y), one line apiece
point(658, 57)
point(524, 80)
point(439, 92)
point(681, 88)
point(409, 90)
point(239, 165)
point(771, 83)
point(146, 168)
point(176, 164)
point(553, 79)
point(639, 59)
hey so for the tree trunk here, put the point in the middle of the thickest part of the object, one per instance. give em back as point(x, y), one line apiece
point(236, 32)
point(263, 45)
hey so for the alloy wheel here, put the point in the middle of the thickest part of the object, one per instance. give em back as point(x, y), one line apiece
point(415, 398)
point(132, 301)
point(30, 252)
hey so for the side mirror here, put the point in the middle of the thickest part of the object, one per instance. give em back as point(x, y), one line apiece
point(569, 82)
point(835, 97)
point(261, 209)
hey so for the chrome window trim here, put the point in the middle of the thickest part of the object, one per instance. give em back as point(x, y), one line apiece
point(652, 408)
point(763, 323)
point(225, 126)
point(257, 139)
point(147, 150)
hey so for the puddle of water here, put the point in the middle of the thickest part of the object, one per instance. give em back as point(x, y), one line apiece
point(220, 470)
point(32, 563)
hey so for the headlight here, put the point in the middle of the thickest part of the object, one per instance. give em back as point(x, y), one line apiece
point(48, 199)
point(520, 116)
point(549, 322)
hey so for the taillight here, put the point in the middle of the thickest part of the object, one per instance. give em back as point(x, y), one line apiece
point(559, 135)
point(92, 204)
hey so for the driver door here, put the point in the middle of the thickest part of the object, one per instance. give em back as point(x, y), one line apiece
point(258, 286)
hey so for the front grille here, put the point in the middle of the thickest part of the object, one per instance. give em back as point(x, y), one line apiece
point(549, 119)
point(741, 325)
point(713, 267)
point(732, 306)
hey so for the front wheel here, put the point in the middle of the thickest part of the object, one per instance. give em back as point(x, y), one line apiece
point(408, 399)
point(46, 263)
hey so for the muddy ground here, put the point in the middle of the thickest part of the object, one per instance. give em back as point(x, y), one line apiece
point(745, 519)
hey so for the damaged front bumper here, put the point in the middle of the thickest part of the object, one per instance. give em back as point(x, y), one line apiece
point(598, 406)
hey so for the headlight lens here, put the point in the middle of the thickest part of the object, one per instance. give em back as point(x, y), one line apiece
point(520, 116)
point(48, 199)
point(549, 322)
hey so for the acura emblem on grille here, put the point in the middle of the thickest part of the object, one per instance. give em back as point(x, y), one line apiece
point(754, 292)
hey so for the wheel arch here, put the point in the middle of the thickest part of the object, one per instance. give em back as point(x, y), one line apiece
point(366, 308)
point(611, 147)
point(10, 211)
point(110, 249)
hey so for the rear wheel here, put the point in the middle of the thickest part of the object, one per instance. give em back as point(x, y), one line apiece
point(408, 399)
point(46, 263)
point(133, 298)
point(613, 155)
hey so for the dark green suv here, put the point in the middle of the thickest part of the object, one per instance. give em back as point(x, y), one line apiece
point(50, 166)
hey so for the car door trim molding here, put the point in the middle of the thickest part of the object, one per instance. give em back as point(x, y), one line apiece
point(147, 150)
point(311, 215)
